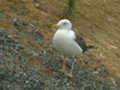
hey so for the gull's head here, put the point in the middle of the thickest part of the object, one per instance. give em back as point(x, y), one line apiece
point(64, 24)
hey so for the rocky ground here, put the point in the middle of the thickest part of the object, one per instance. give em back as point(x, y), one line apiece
point(28, 61)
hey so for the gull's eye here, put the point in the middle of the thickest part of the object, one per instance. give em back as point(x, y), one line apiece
point(64, 23)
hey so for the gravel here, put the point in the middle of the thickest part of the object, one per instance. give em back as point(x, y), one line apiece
point(18, 74)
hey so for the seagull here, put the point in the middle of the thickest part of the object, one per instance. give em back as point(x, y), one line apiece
point(68, 42)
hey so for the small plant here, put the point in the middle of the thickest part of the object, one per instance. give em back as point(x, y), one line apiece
point(68, 12)
point(70, 7)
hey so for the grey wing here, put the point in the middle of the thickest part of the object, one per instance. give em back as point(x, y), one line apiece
point(80, 41)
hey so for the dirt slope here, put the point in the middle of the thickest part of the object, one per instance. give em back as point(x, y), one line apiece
point(98, 21)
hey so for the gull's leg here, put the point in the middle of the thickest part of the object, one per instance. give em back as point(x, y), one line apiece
point(73, 62)
point(64, 66)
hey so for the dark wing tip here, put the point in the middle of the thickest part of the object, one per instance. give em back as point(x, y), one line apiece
point(81, 42)
point(91, 47)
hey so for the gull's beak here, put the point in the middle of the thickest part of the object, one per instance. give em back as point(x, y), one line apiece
point(55, 26)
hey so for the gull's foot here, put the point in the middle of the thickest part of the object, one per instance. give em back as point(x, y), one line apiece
point(66, 73)
point(69, 75)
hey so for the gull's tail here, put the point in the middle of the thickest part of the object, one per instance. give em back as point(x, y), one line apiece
point(89, 47)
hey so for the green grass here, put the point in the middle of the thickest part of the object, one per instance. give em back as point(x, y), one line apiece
point(70, 7)
point(69, 11)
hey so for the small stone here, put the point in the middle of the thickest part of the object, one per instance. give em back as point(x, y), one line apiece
point(37, 5)
point(24, 0)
